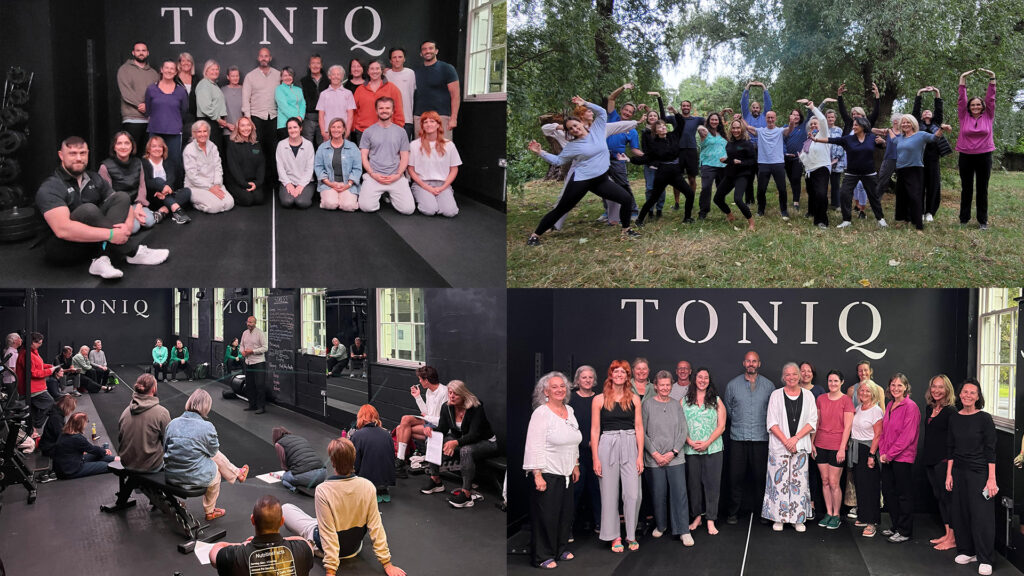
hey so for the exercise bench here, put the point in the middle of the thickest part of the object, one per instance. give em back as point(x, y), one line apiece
point(171, 496)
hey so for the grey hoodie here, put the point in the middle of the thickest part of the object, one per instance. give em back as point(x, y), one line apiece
point(141, 434)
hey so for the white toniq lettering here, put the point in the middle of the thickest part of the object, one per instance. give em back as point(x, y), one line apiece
point(286, 34)
point(67, 305)
point(361, 44)
point(712, 321)
point(876, 328)
point(144, 312)
point(210, 30)
point(319, 24)
point(809, 323)
point(769, 332)
point(176, 20)
point(639, 337)
point(108, 305)
point(92, 306)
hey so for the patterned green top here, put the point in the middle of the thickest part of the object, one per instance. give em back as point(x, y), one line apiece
point(702, 422)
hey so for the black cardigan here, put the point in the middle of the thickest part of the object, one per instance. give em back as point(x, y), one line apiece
point(244, 163)
point(475, 427)
point(154, 185)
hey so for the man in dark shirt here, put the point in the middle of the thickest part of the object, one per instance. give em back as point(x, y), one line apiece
point(357, 353)
point(437, 89)
point(88, 219)
point(268, 553)
point(313, 84)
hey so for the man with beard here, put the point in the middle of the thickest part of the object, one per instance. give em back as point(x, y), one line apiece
point(132, 79)
point(88, 219)
point(259, 105)
point(746, 401)
point(405, 79)
point(385, 149)
point(313, 84)
point(752, 115)
point(617, 144)
point(688, 145)
point(437, 89)
point(254, 348)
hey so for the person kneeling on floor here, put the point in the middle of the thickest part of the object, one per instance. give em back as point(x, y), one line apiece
point(192, 456)
point(303, 466)
point(292, 555)
point(375, 451)
point(76, 457)
point(346, 508)
point(88, 219)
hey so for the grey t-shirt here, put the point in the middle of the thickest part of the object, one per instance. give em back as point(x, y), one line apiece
point(384, 145)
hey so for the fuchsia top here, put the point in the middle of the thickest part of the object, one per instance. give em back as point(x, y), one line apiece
point(900, 428)
point(976, 133)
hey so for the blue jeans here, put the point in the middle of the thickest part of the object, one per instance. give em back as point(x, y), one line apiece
point(668, 494)
point(92, 466)
point(310, 479)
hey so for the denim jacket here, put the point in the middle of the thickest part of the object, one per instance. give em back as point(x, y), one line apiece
point(351, 165)
point(189, 444)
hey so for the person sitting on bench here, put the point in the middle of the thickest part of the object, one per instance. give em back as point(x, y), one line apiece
point(192, 456)
point(465, 428)
point(374, 451)
point(98, 359)
point(346, 508)
point(411, 426)
point(76, 457)
point(142, 427)
point(160, 361)
point(87, 374)
point(70, 377)
point(303, 466)
point(233, 360)
point(357, 355)
point(179, 361)
point(337, 360)
point(292, 555)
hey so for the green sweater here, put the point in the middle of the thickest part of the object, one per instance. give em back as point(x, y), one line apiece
point(229, 356)
point(160, 354)
point(176, 357)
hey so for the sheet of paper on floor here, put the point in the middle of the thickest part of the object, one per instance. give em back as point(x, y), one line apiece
point(202, 551)
point(271, 477)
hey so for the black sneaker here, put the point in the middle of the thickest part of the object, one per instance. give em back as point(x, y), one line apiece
point(760, 213)
point(180, 217)
point(533, 241)
point(157, 217)
point(732, 520)
point(687, 220)
point(657, 214)
point(630, 233)
point(400, 471)
point(676, 207)
point(461, 499)
point(432, 487)
point(861, 214)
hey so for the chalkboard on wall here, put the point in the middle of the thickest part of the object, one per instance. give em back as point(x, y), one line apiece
point(281, 339)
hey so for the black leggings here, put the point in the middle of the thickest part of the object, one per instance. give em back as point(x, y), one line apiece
point(709, 175)
point(665, 175)
point(870, 188)
point(243, 197)
point(834, 182)
point(909, 193)
point(817, 193)
point(738, 181)
point(972, 165)
point(932, 183)
point(795, 172)
point(765, 172)
point(575, 190)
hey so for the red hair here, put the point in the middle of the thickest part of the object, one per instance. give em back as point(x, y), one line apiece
point(627, 399)
point(424, 143)
point(367, 415)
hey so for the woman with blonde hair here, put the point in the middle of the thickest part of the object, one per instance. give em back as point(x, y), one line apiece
point(433, 165)
point(192, 456)
point(210, 104)
point(466, 430)
point(375, 451)
point(160, 174)
point(740, 159)
point(939, 407)
point(617, 446)
point(338, 167)
point(910, 145)
point(246, 167)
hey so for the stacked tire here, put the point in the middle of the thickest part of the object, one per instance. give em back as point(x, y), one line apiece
point(18, 219)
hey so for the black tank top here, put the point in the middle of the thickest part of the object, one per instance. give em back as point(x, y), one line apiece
point(617, 418)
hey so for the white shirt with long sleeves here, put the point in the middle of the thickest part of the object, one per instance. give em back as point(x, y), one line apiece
point(292, 168)
point(203, 170)
point(430, 407)
point(777, 417)
point(818, 155)
point(552, 442)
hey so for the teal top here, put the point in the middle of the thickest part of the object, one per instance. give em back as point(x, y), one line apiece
point(160, 354)
point(711, 150)
point(184, 354)
point(701, 422)
point(290, 103)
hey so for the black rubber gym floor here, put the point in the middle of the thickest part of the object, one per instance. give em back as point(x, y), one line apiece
point(842, 552)
point(65, 530)
point(313, 247)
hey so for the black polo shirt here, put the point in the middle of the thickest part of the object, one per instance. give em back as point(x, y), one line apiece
point(61, 189)
point(266, 555)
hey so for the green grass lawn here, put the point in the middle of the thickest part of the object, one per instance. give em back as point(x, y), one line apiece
point(778, 254)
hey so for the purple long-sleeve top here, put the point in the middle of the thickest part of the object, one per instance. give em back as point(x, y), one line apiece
point(165, 110)
point(976, 133)
point(900, 427)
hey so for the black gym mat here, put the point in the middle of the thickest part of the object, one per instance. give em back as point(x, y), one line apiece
point(229, 249)
point(783, 553)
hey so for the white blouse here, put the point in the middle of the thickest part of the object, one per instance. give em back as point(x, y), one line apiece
point(552, 443)
point(777, 417)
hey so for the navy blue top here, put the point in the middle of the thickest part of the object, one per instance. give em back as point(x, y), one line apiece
point(795, 139)
point(890, 148)
point(688, 139)
point(860, 156)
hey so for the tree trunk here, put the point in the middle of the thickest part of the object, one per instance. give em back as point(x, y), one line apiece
point(602, 45)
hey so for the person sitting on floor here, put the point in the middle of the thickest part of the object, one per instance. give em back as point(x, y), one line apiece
point(87, 374)
point(142, 427)
point(179, 361)
point(160, 173)
point(465, 428)
point(233, 357)
point(204, 172)
point(303, 466)
point(268, 549)
point(74, 456)
point(375, 451)
point(346, 508)
point(337, 360)
point(192, 456)
point(123, 171)
point(55, 421)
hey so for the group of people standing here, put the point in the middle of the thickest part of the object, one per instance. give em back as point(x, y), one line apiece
point(589, 451)
point(731, 151)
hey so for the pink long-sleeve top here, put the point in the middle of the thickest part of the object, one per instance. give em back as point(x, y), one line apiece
point(900, 427)
point(976, 133)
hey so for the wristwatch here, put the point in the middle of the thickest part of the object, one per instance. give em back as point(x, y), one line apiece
point(675, 452)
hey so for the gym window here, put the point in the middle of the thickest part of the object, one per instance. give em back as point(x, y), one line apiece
point(176, 300)
point(485, 50)
point(218, 314)
point(195, 312)
point(314, 323)
point(400, 327)
point(997, 345)
point(259, 308)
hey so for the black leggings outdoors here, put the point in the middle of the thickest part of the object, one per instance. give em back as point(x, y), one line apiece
point(665, 175)
point(575, 190)
point(709, 175)
point(972, 165)
point(932, 183)
point(817, 194)
point(795, 172)
point(736, 180)
point(909, 194)
point(870, 182)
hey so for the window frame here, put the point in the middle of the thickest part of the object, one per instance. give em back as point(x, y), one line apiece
point(218, 314)
point(988, 386)
point(313, 332)
point(194, 308)
point(260, 309)
point(414, 321)
point(467, 70)
point(176, 295)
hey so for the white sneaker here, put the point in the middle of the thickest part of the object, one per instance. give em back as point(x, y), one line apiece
point(656, 533)
point(777, 526)
point(984, 569)
point(799, 526)
point(928, 218)
point(103, 268)
point(149, 256)
point(965, 559)
point(844, 224)
point(882, 223)
point(688, 541)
